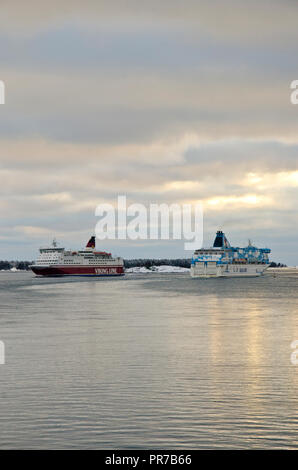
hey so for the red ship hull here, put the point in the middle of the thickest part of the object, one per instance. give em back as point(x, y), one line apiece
point(78, 270)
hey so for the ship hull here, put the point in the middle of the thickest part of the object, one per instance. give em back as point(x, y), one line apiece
point(94, 271)
point(204, 270)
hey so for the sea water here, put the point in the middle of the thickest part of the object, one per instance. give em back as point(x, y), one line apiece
point(154, 360)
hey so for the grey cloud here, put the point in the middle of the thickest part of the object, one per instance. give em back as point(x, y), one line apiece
point(71, 47)
point(250, 156)
point(254, 21)
point(110, 108)
point(102, 96)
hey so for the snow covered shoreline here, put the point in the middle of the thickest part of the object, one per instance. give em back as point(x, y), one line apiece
point(12, 270)
point(157, 269)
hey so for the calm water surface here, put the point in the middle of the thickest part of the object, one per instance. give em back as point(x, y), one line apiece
point(148, 361)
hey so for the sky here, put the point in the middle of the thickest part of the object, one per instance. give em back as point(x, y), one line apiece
point(164, 102)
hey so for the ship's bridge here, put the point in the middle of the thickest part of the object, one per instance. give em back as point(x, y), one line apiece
point(51, 250)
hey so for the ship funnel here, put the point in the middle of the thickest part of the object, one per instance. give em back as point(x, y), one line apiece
point(91, 243)
point(221, 240)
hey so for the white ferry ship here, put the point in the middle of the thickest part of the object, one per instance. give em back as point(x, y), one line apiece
point(56, 261)
point(223, 260)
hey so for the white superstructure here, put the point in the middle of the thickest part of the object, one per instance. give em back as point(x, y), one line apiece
point(223, 260)
point(56, 261)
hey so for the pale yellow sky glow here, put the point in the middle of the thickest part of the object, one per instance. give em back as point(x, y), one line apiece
point(283, 179)
point(222, 202)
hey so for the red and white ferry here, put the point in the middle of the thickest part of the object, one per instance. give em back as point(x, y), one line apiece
point(56, 261)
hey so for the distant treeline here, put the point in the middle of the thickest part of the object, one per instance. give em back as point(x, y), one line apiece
point(277, 265)
point(128, 263)
point(24, 265)
point(182, 262)
point(148, 263)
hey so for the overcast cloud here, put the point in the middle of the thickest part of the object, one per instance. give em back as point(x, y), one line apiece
point(162, 101)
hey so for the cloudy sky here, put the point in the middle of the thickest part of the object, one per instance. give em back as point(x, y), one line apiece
point(161, 101)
